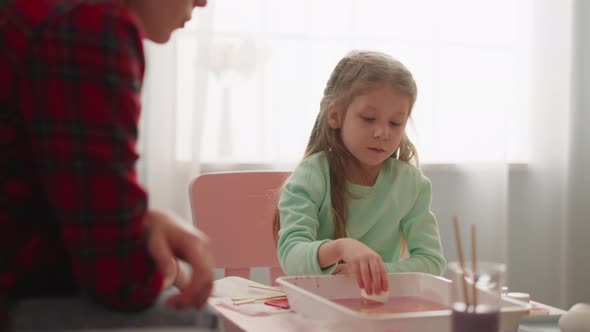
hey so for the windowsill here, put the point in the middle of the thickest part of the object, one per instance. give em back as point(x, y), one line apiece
point(427, 167)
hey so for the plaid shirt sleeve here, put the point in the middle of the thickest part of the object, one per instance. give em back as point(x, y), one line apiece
point(81, 105)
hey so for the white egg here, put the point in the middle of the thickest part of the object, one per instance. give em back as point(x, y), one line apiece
point(577, 319)
point(381, 297)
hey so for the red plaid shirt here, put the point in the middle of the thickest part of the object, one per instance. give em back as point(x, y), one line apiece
point(71, 208)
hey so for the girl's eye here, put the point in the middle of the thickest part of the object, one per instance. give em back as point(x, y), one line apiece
point(394, 124)
point(368, 119)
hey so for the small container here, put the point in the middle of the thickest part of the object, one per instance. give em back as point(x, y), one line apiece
point(483, 319)
point(524, 297)
point(476, 296)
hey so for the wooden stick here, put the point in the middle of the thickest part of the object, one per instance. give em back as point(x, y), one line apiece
point(461, 260)
point(235, 299)
point(267, 288)
point(256, 299)
point(474, 264)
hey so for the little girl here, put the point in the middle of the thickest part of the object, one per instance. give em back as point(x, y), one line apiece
point(355, 197)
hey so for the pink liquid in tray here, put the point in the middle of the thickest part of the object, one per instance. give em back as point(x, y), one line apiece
point(394, 305)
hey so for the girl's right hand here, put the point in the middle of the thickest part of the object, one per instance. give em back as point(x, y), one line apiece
point(366, 265)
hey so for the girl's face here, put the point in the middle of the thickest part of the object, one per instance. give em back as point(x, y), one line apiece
point(161, 17)
point(372, 126)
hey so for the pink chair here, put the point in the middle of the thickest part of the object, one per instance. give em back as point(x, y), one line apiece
point(236, 209)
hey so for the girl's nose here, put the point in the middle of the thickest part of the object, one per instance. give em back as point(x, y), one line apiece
point(381, 132)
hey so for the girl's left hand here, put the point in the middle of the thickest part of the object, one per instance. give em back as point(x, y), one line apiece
point(343, 268)
point(367, 265)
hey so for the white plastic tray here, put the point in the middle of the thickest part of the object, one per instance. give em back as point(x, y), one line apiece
point(311, 296)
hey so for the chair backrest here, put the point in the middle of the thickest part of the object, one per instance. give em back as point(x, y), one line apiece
point(236, 209)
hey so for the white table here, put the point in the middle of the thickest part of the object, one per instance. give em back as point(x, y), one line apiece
point(291, 321)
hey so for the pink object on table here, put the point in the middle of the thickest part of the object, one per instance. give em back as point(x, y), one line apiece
point(236, 209)
point(279, 303)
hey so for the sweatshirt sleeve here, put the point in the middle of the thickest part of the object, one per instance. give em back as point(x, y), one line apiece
point(299, 206)
point(421, 231)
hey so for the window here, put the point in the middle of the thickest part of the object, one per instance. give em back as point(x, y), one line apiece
point(261, 67)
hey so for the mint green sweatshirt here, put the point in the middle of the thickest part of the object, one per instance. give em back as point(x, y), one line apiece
point(398, 203)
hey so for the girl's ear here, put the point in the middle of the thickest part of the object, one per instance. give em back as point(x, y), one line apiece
point(334, 119)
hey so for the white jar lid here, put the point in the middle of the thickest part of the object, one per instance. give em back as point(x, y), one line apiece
point(524, 297)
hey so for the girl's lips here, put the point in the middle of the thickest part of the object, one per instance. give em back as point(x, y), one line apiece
point(376, 149)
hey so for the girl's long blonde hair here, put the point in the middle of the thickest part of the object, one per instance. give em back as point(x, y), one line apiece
point(357, 73)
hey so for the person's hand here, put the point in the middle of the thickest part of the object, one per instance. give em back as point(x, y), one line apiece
point(169, 240)
point(365, 264)
point(170, 280)
point(180, 278)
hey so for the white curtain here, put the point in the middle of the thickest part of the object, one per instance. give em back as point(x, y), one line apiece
point(500, 98)
point(578, 193)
